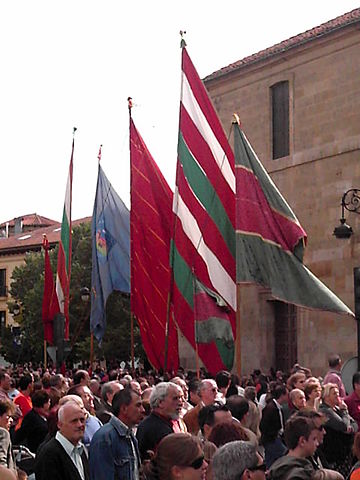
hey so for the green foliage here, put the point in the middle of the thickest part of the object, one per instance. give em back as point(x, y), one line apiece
point(27, 289)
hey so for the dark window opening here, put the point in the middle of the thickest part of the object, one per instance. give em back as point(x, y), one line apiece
point(280, 119)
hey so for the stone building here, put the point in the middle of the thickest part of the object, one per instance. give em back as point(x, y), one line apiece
point(299, 104)
point(17, 238)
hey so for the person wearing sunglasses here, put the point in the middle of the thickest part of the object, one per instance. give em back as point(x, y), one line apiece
point(179, 456)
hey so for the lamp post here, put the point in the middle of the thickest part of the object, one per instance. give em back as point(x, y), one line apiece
point(351, 202)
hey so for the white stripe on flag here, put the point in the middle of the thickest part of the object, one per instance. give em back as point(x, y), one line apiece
point(60, 294)
point(220, 279)
point(193, 109)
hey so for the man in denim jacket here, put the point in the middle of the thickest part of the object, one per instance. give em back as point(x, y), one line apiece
point(114, 450)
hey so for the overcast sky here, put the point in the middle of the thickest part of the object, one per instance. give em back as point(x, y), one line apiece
point(74, 63)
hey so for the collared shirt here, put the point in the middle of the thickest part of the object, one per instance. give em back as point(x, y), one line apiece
point(281, 416)
point(74, 452)
point(130, 434)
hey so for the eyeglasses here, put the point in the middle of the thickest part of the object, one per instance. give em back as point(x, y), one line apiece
point(196, 464)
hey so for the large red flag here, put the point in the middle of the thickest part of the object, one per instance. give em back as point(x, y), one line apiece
point(151, 221)
point(50, 304)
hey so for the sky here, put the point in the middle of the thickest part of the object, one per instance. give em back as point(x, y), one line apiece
point(74, 63)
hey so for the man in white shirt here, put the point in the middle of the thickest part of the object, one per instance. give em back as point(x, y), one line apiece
point(63, 457)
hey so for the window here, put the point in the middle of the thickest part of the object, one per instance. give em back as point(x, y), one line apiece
point(285, 336)
point(2, 322)
point(2, 282)
point(280, 119)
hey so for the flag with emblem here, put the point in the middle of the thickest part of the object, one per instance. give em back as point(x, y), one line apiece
point(203, 243)
point(110, 231)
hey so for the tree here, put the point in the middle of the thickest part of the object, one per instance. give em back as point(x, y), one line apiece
point(27, 289)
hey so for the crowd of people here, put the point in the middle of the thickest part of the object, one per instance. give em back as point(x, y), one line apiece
point(110, 424)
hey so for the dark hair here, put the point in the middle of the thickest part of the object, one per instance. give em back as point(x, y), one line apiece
point(295, 428)
point(25, 381)
point(355, 379)
point(238, 406)
point(310, 413)
point(278, 391)
point(179, 449)
point(334, 360)
point(39, 398)
point(207, 414)
point(309, 388)
point(78, 376)
point(226, 432)
point(6, 406)
point(74, 390)
point(122, 397)
point(222, 379)
point(194, 386)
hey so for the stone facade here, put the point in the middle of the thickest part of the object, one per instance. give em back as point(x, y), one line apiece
point(323, 74)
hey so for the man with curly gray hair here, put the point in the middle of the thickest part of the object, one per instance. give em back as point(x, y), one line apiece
point(166, 402)
point(238, 461)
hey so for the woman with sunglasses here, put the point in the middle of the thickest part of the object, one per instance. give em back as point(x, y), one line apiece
point(179, 456)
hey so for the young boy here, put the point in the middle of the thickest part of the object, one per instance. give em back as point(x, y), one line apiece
point(301, 438)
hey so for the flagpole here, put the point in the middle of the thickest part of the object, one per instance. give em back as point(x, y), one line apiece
point(238, 332)
point(45, 355)
point(91, 350)
point(132, 353)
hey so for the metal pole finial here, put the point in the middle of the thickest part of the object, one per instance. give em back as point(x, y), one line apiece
point(182, 35)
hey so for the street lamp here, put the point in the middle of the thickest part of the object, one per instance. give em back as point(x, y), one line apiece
point(351, 202)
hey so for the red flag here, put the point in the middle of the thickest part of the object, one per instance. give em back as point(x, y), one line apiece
point(151, 221)
point(50, 304)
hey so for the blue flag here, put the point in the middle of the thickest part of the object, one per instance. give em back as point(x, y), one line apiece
point(110, 231)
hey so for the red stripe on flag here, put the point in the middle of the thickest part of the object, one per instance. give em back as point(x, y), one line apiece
point(204, 101)
point(202, 153)
point(255, 215)
point(209, 229)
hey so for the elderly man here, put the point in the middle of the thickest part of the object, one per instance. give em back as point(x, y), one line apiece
point(92, 423)
point(63, 457)
point(238, 461)
point(166, 405)
point(207, 393)
point(108, 390)
point(114, 450)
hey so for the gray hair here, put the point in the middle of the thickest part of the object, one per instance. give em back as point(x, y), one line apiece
point(230, 460)
point(107, 388)
point(159, 393)
point(69, 403)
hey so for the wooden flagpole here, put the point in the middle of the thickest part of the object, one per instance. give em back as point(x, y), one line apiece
point(130, 105)
point(91, 350)
point(45, 355)
point(132, 344)
point(238, 333)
